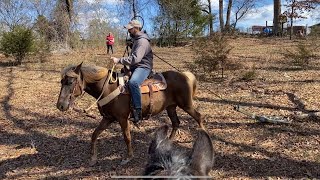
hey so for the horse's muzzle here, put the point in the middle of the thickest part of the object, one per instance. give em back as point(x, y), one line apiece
point(62, 106)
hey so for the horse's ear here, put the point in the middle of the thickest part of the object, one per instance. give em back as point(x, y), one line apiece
point(77, 69)
point(202, 157)
point(161, 135)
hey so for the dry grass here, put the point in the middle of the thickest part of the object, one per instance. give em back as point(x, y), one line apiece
point(37, 141)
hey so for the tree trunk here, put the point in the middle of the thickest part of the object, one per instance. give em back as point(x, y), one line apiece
point(291, 20)
point(276, 14)
point(291, 28)
point(210, 18)
point(227, 26)
point(221, 15)
point(69, 8)
point(63, 17)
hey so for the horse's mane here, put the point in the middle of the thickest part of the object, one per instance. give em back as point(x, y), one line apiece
point(90, 73)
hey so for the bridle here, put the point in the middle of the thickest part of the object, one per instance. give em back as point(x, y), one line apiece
point(78, 85)
point(81, 86)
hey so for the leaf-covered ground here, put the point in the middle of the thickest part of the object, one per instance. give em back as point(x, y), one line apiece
point(38, 141)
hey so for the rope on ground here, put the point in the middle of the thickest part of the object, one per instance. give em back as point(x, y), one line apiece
point(262, 118)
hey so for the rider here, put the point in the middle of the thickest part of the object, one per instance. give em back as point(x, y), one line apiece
point(140, 61)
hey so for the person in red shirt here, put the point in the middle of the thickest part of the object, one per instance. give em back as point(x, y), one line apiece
point(110, 42)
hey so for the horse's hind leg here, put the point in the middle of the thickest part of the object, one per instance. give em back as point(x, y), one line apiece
point(172, 113)
point(102, 126)
point(195, 114)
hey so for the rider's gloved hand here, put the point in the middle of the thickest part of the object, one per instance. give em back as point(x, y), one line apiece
point(115, 60)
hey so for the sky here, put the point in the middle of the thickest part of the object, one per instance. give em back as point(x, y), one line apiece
point(265, 13)
point(262, 13)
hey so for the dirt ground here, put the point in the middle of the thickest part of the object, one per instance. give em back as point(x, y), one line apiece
point(40, 142)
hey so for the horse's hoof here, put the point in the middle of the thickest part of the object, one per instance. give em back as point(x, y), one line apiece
point(93, 161)
point(137, 125)
point(179, 132)
point(125, 161)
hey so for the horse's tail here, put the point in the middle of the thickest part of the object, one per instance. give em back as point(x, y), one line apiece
point(192, 81)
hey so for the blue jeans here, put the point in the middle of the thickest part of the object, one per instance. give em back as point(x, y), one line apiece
point(137, 77)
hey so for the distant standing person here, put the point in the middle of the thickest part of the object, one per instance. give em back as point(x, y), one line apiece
point(110, 42)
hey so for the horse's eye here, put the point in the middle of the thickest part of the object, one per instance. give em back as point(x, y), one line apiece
point(67, 81)
point(70, 81)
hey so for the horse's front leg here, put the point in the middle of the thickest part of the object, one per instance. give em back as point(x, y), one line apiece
point(125, 127)
point(102, 126)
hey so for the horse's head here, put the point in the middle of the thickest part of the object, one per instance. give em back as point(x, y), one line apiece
point(165, 160)
point(72, 86)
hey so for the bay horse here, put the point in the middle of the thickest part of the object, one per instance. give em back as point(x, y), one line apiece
point(165, 160)
point(77, 79)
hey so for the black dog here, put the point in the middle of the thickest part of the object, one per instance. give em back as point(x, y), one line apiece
point(165, 160)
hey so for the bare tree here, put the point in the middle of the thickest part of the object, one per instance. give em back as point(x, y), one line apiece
point(316, 11)
point(135, 8)
point(42, 7)
point(208, 10)
point(62, 21)
point(241, 9)
point(297, 8)
point(13, 13)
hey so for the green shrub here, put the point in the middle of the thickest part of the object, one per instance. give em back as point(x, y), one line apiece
point(302, 55)
point(17, 43)
point(249, 75)
point(211, 53)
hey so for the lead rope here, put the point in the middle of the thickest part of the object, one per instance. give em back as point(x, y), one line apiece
point(180, 72)
point(166, 62)
point(262, 119)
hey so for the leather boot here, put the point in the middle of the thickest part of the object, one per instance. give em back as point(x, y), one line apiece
point(137, 115)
